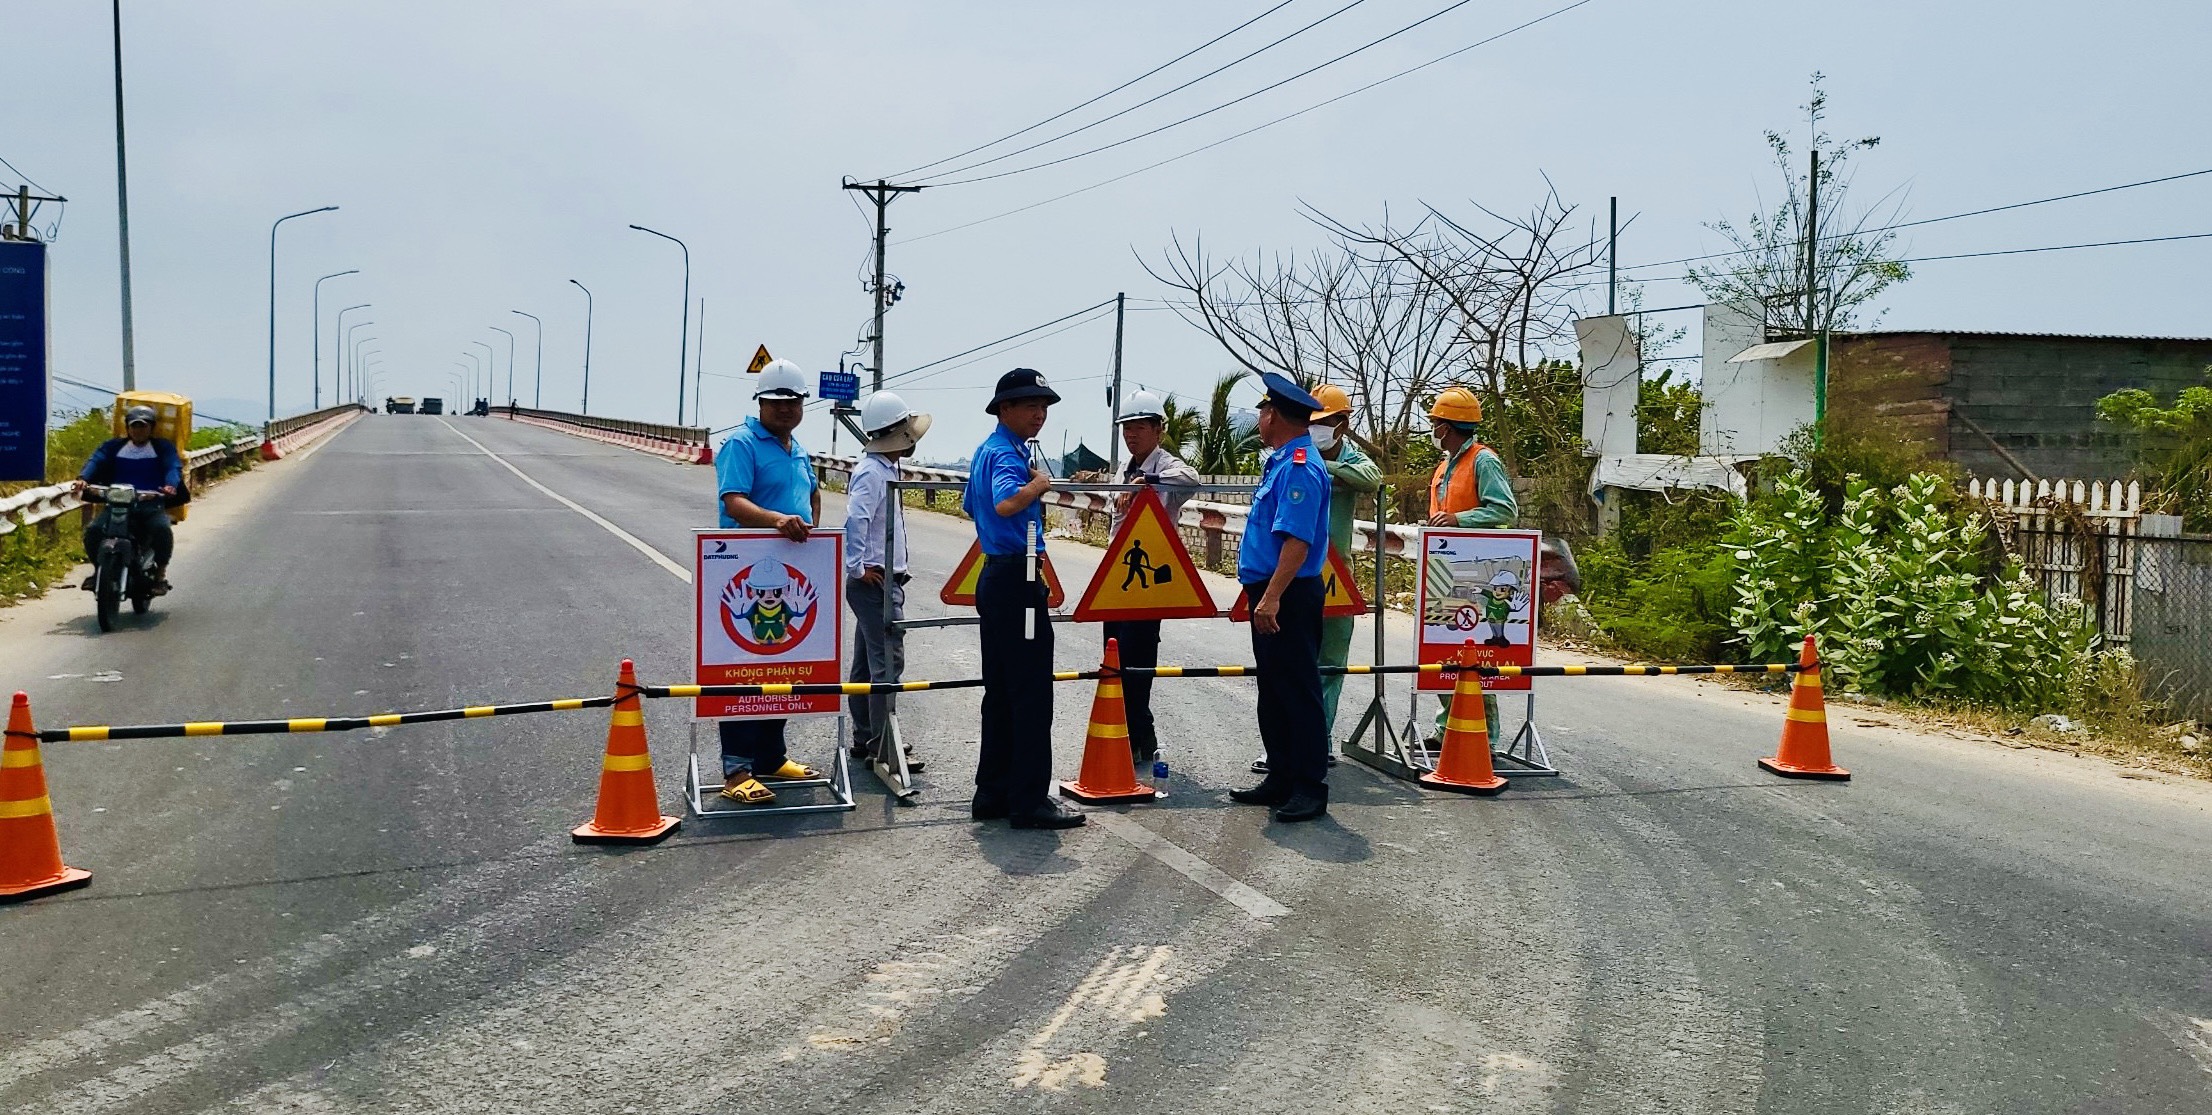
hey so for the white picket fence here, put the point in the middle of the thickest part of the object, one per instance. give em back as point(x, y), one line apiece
point(2076, 538)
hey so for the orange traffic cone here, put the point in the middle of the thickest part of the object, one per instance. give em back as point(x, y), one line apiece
point(1804, 750)
point(629, 809)
point(30, 850)
point(1463, 767)
point(1109, 770)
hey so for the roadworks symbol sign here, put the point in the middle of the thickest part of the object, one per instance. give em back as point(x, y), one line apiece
point(1343, 596)
point(1147, 573)
point(760, 360)
point(961, 588)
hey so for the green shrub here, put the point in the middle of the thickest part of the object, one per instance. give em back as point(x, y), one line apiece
point(1671, 607)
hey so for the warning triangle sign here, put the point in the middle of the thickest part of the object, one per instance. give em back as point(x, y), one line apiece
point(961, 588)
point(1343, 597)
point(760, 360)
point(1147, 573)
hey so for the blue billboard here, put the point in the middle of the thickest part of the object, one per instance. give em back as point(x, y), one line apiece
point(22, 360)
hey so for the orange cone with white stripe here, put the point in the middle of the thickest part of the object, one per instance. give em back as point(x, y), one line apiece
point(629, 809)
point(1109, 770)
point(1804, 750)
point(30, 850)
point(1463, 767)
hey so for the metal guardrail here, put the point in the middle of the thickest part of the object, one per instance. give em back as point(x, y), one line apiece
point(39, 505)
point(687, 443)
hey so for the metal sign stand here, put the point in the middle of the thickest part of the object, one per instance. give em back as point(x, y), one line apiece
point(1525, 756)
point(838, 782)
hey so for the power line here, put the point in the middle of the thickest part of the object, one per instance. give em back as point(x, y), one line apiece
point(27, 180)
point(1101, 96)
point(1259, 127)
point(1974, 255)
point(1099, 316)
point(1438, 14)
point(1000, 341)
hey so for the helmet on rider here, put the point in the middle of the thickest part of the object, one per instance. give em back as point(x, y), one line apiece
point(1458, 406)
point(781, 379)
point(138, 415)
point(889, 424)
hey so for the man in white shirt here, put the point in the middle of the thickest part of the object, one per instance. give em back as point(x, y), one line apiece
point(1143, 421)
point(873, 568)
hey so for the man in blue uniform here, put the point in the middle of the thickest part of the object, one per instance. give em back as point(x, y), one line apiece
point(1013, 773)
point(763, 478)
point(1286, 543)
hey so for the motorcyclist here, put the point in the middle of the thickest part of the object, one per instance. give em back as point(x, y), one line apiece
point(149, 464)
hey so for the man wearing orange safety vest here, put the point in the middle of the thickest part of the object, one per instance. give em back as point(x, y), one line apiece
point(1470, 489)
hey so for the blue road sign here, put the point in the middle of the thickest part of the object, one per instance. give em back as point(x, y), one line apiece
point(22, 360)
point(841, 386)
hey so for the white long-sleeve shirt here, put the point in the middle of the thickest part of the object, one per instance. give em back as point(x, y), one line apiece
point(865, 498)
point(1175, 480)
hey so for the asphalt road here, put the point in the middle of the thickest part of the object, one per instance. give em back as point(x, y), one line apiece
point(396, 920)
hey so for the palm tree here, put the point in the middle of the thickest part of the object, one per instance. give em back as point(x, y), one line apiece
point(1221, 449)
point(1181, 426)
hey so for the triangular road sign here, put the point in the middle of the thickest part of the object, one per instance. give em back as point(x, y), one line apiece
point(961, 588)
point(1343, 597)
point(760, 360)
point(1147, 573)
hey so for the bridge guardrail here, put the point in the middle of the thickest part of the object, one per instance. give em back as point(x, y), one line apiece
point(687, 444)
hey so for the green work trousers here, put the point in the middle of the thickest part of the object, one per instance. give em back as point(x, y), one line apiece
point(1336, 650)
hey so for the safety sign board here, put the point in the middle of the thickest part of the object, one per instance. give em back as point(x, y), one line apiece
point(1478, 602)
point(760, 360)
point(1147, 573)
point(841, 386)
point(23, 384)
point(1341, 595)
point(960, 589)
point(768, 614)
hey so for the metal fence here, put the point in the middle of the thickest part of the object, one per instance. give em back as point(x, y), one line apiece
point(2172, 613)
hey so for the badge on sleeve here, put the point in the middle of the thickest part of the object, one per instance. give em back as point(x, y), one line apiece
point(1298, 456)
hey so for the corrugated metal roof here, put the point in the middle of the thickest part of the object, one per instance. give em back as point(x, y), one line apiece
point(2012, 333)
point(1772, 350)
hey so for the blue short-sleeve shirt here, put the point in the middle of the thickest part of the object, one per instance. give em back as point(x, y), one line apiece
point(751, 463)
point(1292, 501)
point(999, 469)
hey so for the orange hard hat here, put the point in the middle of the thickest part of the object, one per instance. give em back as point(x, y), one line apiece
point(1457, 404)
point(1333, 401)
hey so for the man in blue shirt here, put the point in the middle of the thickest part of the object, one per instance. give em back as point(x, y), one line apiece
point(1286, 542)
point(149, 464)
point(1013, 773)
point(764, 479)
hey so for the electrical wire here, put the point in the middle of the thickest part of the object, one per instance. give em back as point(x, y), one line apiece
point(1256, 128)
point(27, 179)
point(1101, 96)
point(1969, 255)
point(1438, 14)
point(989, 344)
point(909, 378)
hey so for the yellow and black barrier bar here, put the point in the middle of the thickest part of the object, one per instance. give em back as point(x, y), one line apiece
point(836, 688)
point(311, 723)
point(1486, 671)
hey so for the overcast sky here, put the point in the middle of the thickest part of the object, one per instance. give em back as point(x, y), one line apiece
point(484, 153)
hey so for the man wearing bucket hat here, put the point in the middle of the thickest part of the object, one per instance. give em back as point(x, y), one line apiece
point(1006, 479)
point(1143, 420)
point(1279, 563)
point(876, 568)
point(764, 479)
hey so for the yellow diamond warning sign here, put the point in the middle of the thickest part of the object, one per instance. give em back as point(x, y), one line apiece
point(1147, 573)
point(1343, 597)
point(760, 360)
point(961, 588)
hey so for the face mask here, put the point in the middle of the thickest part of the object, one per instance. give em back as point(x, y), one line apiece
point(1324, 435)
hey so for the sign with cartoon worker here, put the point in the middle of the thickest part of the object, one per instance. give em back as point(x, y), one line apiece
point(768, 615)
point(1478, 601)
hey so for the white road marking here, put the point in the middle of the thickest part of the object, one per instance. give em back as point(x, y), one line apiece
point(635, 542)
point(1244, 897)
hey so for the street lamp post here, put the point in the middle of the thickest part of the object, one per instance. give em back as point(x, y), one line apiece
point(338, 387)
point(510, 364)
point(461, 384)
point(537, 391)
point(359, 356)
point(353, 366)
point(491, 371)
point(337, 347)
point(588, 300)
point(272, 298)
point(683, 338)
point(476, 369)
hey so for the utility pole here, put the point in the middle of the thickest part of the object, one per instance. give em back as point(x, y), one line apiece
point(1113, 432)
point(1812, 288)
point(699, 367)
point(1612, 255)
point(123, 211)
point(21, 229)
point(882, 193)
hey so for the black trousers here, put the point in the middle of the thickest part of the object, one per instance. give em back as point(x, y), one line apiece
point(754, 745)
point(1014, 768)
point(1139, 643)
point(1291, 727)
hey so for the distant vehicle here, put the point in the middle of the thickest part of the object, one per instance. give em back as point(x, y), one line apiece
point(482, 409)
point(431, 406)
point(402, 404)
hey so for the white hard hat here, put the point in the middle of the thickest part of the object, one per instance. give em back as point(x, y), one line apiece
point(1142, 404)
point(768, 576)
point(1504, 578)
point(781, 379)
point(891, 425)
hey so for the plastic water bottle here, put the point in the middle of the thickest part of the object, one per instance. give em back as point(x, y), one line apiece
point(1159, 776)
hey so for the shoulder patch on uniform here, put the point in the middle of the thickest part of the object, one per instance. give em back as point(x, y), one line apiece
point(1298, 456)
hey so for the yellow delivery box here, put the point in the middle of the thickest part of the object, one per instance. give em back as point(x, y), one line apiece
point(172, 423)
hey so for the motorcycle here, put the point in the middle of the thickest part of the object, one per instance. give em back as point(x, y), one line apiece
point(121, 567)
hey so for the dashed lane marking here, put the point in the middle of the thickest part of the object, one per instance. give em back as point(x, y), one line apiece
point(635, 542)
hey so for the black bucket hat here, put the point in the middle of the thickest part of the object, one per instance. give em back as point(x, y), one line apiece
point(1021, 383)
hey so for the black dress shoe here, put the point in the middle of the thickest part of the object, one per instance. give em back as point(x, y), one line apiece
point(986, 809)
point(1047, 816)
point(1302, 807)
point(1266, 793)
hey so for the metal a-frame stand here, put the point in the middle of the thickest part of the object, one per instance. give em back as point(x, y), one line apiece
point(838, 782)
